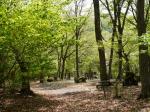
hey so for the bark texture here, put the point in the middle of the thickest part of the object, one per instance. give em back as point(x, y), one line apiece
point(99, 39)
point(143, 51)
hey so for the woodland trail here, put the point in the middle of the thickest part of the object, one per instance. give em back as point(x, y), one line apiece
point(84, 97)
point(65, 96)
point(60, 88)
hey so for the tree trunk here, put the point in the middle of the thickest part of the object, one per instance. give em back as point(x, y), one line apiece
point(144, 71)
point(3, 68)
point(25, 88)
point(120, 72)
point(60, 62)
point(59, 65)
point(41, 77)
point(114, 22)
point(120, 28)
point(68, 76)
point(127, 64)
point(112, 49)
point(111, 59)
point(143, 51)
point(77, 34)
point(77, 56)
point(99, 39)
point(25, 78)
point(63, 68)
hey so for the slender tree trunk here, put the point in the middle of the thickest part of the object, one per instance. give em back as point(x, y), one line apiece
point(114, 22)
point(120, 46)
point(77, 55)
point(2, 79)
point(99, 39)
point(111, 58)
point(41, 77)
point(112, 50)
point(143, 51)
point(3, 68)
point(77, 34)
point(127, 69)
point(59, 65)
point(120, 28)
point(63, 68)
point(127, 66)
point(61, 62)
point(120, 56)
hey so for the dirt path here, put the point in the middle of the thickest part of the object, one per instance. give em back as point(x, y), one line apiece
point(84, 97)
point(70, 97)
point(69, 87)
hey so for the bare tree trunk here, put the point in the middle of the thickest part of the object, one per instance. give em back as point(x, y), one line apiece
point(79, 4)
point(61, 61)
point(41, 77)
point(120, 46)
point(63, 68)
point(77, 33)
point(120, 56)
point(77, 55)
point(113, 17)
point(2, 68)
point(121, 24)
point(112, 49)
point(143, 51)
point(111, 59)
point(99, 39)
point(127, 69)
point(25, 89)
point(59, 65)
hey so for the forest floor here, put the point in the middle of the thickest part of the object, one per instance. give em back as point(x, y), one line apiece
point(70, 97)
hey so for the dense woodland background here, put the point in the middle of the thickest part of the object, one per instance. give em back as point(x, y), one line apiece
point(79, 40)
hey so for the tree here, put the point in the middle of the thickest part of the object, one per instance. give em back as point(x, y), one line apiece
point(64, 53)
point(119, 4)
point(80, 22)
point(99, 39)
point(76, 18)
point(30, 31)
point(118, 20)
point(143, 51)
point(113, 16)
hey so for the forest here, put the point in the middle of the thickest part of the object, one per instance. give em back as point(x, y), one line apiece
point(74, 56)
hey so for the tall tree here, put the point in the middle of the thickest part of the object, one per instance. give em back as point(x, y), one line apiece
point(120, 26)
point(118, 18)
point(80, 22)
point(80, 15)
point(113, 16)
point(99, 39)
point(143, 51)
point(77, 34)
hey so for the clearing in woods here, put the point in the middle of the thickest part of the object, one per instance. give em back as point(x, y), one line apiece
point(69, 97)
